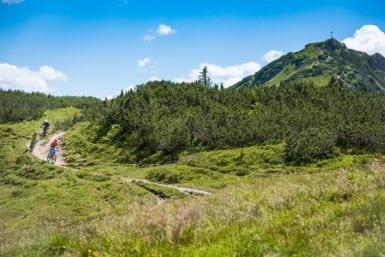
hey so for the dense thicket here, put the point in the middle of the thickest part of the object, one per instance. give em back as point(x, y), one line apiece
point(19, 105)
point(165, 118)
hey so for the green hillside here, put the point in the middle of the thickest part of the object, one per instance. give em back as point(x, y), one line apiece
point(284, 172)
point(261, 205)
point(318, 62)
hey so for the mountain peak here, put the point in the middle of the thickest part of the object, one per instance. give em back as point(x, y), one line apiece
point(319, 62)
point(329, 44)
point(333, 44)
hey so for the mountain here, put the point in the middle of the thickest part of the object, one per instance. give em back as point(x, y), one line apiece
point(319, 62)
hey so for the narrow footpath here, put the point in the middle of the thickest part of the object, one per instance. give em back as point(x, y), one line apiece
point(42, 147)
point(181, 189)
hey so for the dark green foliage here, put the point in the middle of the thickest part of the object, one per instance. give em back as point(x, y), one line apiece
point(364, 136)
point(158, 120)
point(67, 124)
point(310, 144)
point(168, 117)
point(204, 78)
point(18, 106)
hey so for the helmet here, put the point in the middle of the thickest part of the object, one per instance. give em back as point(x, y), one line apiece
point(45, 120)
point(35, 132)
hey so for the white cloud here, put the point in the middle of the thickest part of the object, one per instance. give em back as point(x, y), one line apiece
point(49, 73)
point(228, 75)
point(272, 55)
point(161, 31)
point(154, 78)
point(11, 1)
point(369, 39)
point(13, 77)
point(143, 62)
point(148, 37)
point(165, 30)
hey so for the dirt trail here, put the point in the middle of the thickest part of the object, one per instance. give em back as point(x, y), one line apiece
point(181, 189)
point(41, 150)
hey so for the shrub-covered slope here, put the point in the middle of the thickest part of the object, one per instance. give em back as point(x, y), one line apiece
point(318, 62)
point(159, 120)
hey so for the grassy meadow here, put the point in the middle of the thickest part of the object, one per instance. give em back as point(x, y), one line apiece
point(260, 205)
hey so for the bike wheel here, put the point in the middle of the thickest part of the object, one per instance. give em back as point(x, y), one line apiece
point(51, 158)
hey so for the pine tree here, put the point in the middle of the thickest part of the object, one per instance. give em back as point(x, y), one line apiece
point(204, 78)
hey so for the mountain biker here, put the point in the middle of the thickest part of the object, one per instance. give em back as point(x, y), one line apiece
point(33, 140)
point(45, 126)
point(53, 146)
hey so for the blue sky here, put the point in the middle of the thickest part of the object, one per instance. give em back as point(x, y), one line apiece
point(78, 47)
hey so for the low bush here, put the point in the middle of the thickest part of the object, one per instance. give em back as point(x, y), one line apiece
point(164, 175)
point(310, 144)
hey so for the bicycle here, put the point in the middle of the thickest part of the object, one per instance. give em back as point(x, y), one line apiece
point(43, 134)
point(51, 157)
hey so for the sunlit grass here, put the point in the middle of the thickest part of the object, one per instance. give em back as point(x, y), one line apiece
point(261, 206)
point(333, 213)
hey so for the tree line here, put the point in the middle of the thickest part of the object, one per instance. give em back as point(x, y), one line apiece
point(18, 105)
point(156, 121)
point(163, 118)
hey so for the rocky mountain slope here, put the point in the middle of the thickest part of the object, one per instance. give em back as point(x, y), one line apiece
point(319, 62)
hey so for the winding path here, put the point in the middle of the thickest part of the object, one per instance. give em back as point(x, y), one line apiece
point(41, 150)
point(181, 189)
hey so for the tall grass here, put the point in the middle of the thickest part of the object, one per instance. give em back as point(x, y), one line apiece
point(331, 213)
